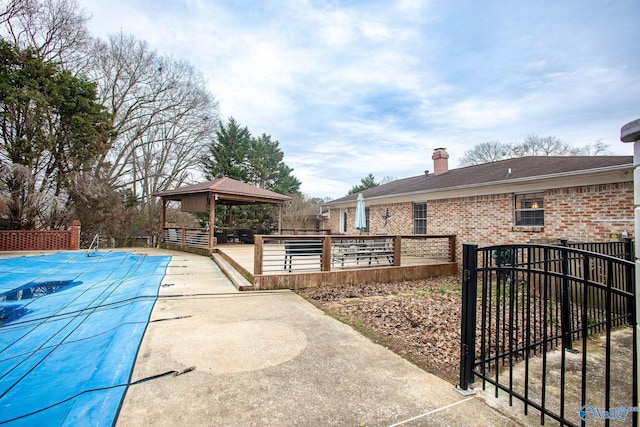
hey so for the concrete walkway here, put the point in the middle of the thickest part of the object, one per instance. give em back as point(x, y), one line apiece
point(273, 359)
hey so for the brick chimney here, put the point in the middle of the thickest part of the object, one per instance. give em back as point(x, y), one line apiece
point(440, 161)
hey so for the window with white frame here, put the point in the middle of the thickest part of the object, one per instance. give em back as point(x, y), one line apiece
point(366, 216)
point(419, 218)
point(529, 209)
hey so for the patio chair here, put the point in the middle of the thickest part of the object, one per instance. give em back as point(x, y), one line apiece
point(246, 236)
point(221, 236)
point(301, 248)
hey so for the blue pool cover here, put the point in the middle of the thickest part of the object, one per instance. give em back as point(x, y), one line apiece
point(70, 329)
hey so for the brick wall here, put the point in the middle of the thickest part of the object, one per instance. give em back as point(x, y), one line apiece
point(41, 240)
point(400, 223)
point(586, 213)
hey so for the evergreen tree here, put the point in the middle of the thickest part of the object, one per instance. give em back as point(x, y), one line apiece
point(267, 168)
point(51, 128)
point(258, 161)
point(368, 181)
point(229, 153)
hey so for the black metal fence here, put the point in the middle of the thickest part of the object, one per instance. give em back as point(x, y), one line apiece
point(623, 249)
point(554, 327)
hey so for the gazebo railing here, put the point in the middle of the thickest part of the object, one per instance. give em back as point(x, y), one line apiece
point(199, 237)
point(191, 237)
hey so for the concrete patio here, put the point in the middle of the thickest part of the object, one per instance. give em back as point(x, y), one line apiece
point(272, 359)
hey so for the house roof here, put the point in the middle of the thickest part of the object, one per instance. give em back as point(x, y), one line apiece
point(521, 169)
point(317, 210)
point(227, 190)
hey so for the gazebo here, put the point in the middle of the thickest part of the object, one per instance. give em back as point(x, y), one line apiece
point(225, 191)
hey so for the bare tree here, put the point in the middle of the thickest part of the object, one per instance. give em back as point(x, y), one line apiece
point(163, 117)
point(532, 145)
point(10, 8)
point(486, 152)
point(300, 212)
point(56, 30)
point(598, 148)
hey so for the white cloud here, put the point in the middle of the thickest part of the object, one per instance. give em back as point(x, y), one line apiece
point(476, 113)
point(352, 88)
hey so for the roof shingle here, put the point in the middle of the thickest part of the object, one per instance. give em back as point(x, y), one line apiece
point(225, 186)
point(533, 167)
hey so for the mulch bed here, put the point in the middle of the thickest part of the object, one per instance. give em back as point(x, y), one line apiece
point(418, 320)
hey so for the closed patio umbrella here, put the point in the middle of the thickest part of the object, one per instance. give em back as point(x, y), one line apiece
point(360, 222)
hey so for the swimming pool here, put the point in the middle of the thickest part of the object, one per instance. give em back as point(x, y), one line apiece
point(70, 329)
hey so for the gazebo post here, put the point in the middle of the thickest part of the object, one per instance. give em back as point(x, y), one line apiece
point(212, 219)
point(163, 218)
point(279, 218)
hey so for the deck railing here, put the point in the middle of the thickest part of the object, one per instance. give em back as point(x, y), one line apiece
point(305, 231)
point(324, 252)
point(306, 253)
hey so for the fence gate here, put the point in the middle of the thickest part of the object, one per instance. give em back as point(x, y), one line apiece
point(553, 327)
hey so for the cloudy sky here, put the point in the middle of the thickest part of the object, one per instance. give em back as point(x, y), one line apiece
point(352, 87)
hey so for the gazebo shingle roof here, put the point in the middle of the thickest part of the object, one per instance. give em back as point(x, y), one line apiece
point(522, 168)
point(226, 188)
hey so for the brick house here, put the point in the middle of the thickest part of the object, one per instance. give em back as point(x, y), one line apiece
point(528, 199)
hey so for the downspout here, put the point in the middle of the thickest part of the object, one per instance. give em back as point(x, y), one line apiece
point(631, 133)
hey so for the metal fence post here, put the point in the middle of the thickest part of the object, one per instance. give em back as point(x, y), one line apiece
point(468, 323)
point(565, 314)
point(629, 249)
point(630, 277)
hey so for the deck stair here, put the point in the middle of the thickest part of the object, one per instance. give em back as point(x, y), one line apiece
point(236, 278)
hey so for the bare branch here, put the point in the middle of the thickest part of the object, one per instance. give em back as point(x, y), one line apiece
point(56, 30)
point(532, 145)
point(486, 152)
point(10, 9)
point(162, 116)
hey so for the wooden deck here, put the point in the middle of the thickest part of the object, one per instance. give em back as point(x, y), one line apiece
point(366, 269)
